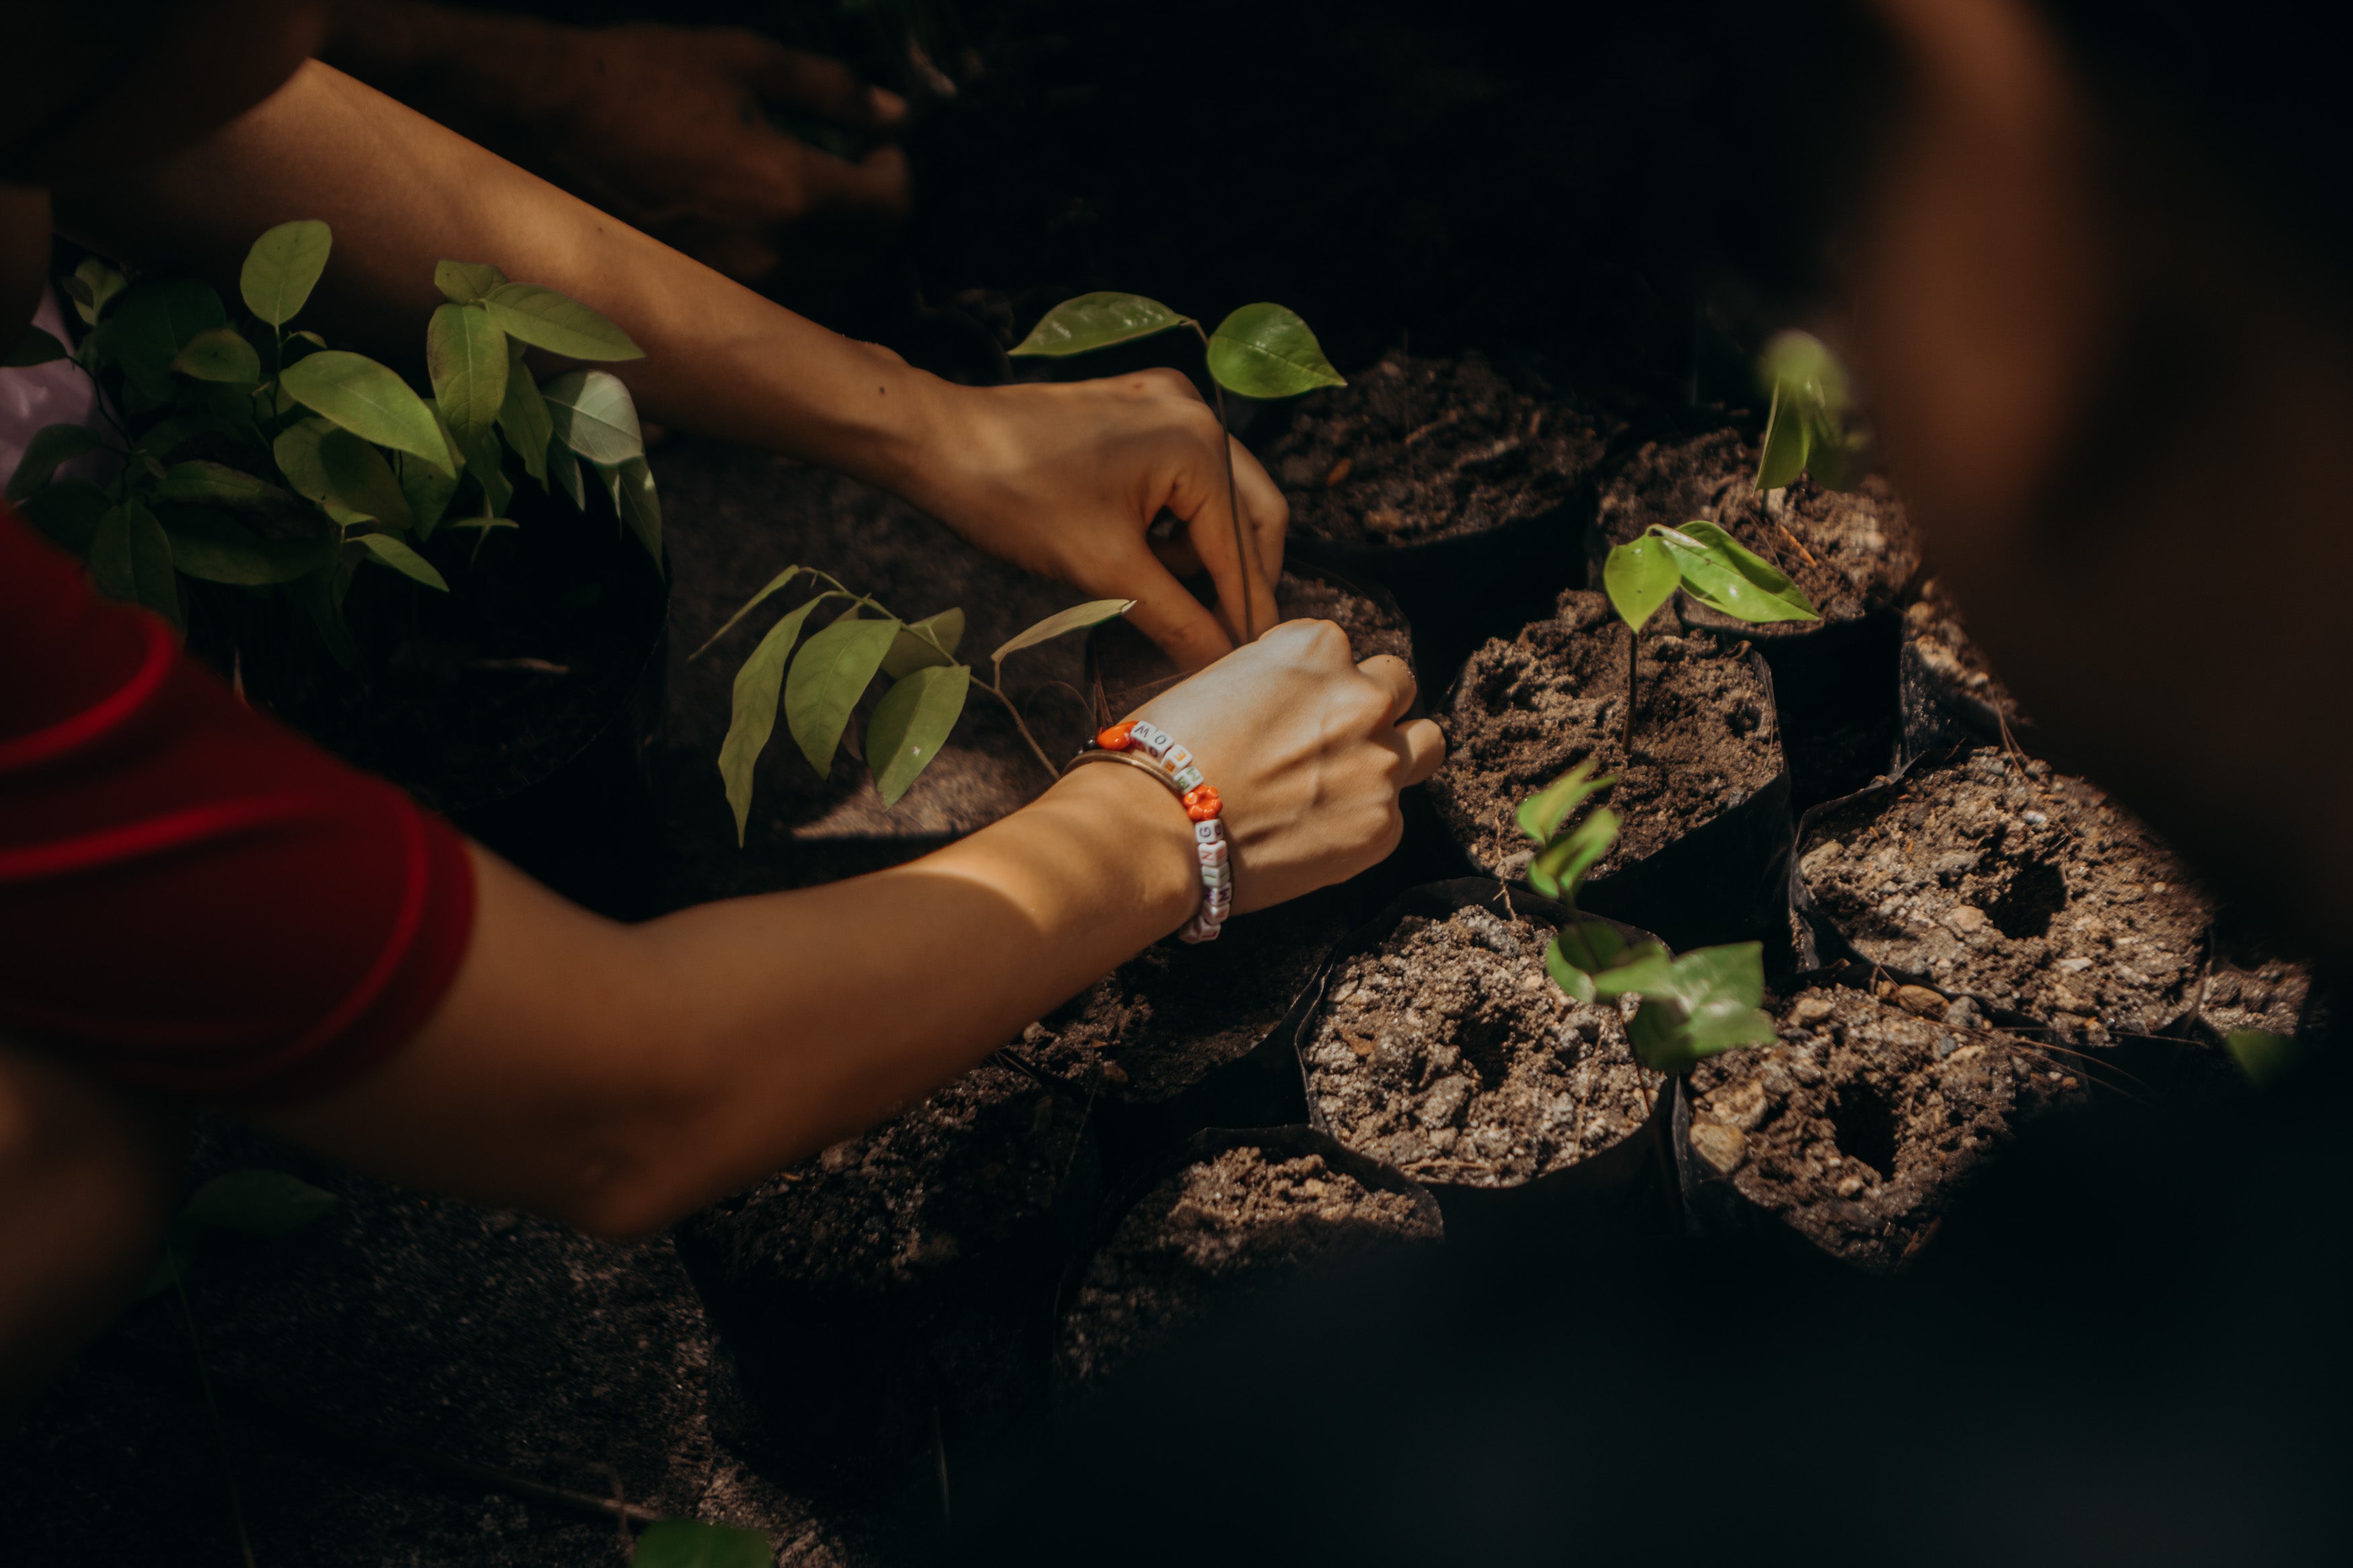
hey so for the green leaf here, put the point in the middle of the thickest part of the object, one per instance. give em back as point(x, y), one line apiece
point(220, 354)
point(403, 560)
point(1731, 974)
point(172, 1263)
point(1787, 436)
point(483, 463)
point(1098, 321)
point(219, 549)
point(463, 283)
point(523, 415)
point(1567, 975)
point(168, 436)
point(1838, 460)
point(774, 585)
point(912, 724)
point(1541, 814)
point(558, 323)
point(2264, 1057)
point(689, 1543)
point(910, 653)
point(427, 490)
point(1724, 575)
point(51, 446)
point(1639, 577)
point(1561, 868)
point(593, 414)
point(92, 288)
point(826, 682)
point(1707, 1004)
point(130, 560)
point(753, 720)
point(632, 488)
point(267, 1204)
point(368, 400)
point(67, 510)
point(466, 356)
point(563, 474)
point(156, 320)
point(283, 268)
point(1597, 957)
point(343, 473)
point(217, 484)
point(1266, 351)
point(1077, 619)
point(35, 347)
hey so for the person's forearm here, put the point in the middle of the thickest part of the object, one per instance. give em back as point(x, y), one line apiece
point(640, 1072)
point(402, 193)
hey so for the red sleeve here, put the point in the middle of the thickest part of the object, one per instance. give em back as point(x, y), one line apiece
point(192, 897)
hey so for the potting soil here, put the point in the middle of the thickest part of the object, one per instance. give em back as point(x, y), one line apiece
point(1933, 629)
point(1417, 449)
point(1859, 1127)
point(1448, 1052)
point(1246, 1217)
point(2016, 885)
point(1527, 711)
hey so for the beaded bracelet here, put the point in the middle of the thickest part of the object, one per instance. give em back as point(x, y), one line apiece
point(1155, 750)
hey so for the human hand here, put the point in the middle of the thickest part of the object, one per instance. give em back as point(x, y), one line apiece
point(1307, 753)
point(1066, 479)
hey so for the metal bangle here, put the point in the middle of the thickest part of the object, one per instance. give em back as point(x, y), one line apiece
point(1133, 759)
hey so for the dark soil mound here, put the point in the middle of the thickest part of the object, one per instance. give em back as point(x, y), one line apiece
point(2018, 886)
point(1861, 1127)
point(2267, 994)
point(1159, 1022)
point(1448, 1052)
point(1851, 553)
point(1939, 643)
point(1527, 711)
point(1417, 449)
point(1209, 1235)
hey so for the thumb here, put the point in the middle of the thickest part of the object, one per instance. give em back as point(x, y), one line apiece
point(1167, 612)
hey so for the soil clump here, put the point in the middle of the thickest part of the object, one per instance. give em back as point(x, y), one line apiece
point(1213, 1232)
point(1526, 712)
point(2018, 886)
point(1937, 638)
point(1859, 1127)
point(1851, 553)
point(1417, 449)
point(1448, 1052)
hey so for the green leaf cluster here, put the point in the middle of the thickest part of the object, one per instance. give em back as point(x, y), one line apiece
point(819, 682)
point(264, 1204)
point(691, 1543)
point(1710, 565)
point(1568, 848)
point(258, 458)
point(2266, 1058)
point(1262, 351)
point(1805, 429)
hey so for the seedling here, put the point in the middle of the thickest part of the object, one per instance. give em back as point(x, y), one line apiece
point(1693, 1006)
point(258, 457)
point(1806, 430)
point(1262, 351)
point(691, 1543)
point(1705, 563)
point(823, 686)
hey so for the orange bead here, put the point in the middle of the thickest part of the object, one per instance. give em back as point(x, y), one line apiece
point(1203, 804)
point(1115, 739)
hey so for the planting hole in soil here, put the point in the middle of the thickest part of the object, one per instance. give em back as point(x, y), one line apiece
point(1527, 711)
point(1244, 1219)
point(1447, 1051)
point(1862, 1125)
point(2014, 885)
point(1419, 450)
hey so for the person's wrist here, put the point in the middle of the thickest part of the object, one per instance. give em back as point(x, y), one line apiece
point(1147, 833)
point(917, 427)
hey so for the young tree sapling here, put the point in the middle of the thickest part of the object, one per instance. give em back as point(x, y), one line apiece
point(1805, 429)
point(1263, 350)
point(821, 688)
point(1710, 565)
point(1693, 1006)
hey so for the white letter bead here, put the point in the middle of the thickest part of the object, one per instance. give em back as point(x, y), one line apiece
point(1142, 732)
point(1199, 930)
point(1157, 746)
point(1176, 758)
point(1188, 778)
point(1209, 832)
point(1217, 876)
point(1211, 854)
point(1217, 902)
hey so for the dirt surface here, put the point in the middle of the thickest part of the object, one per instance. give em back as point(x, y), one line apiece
point(1133, 670)
point(1417, 449)
point(2018, 886)
point(2265, 994)
point(1861, 1126)
point(1448, 1052)
point(1209, 1235)
point(1851, 553)
point(1161, 1022)
point(1954, 665)
point(1526, 712)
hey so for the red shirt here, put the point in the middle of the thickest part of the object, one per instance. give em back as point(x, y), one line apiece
point(192, 897)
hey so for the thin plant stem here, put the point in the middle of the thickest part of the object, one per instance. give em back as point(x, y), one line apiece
point(1233, 500)
point(1633, 644)
point(212, 1410)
